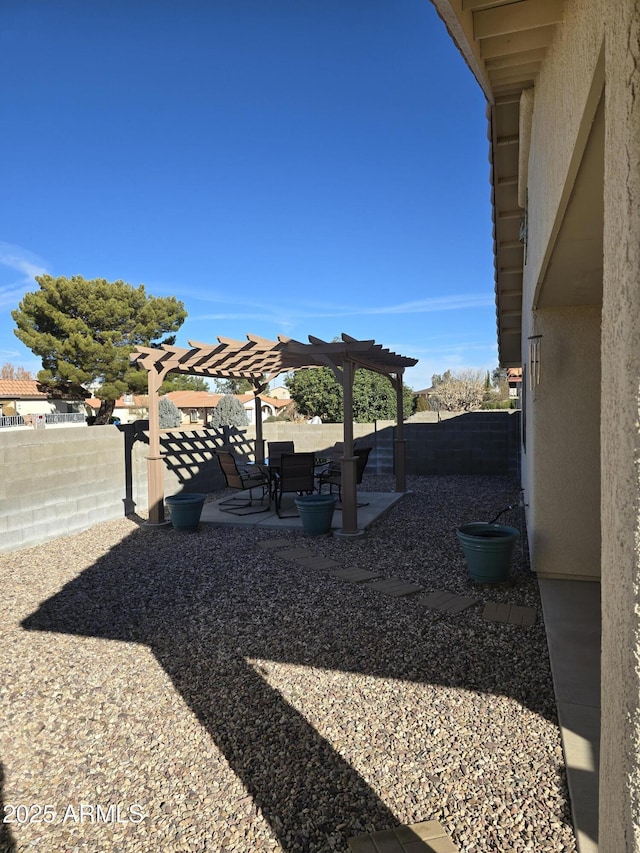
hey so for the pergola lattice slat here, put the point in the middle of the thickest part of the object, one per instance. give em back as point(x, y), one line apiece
point(259, 359)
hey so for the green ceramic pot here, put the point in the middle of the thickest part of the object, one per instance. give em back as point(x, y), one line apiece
point(316, 513)
point(488, 549)
point(185, 510)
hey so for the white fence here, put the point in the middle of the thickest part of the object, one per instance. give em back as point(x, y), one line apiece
point(49, 418)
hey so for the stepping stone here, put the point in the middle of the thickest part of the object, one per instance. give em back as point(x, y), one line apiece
point(509, 613)
point(447, 601)
point(426, 837)
point(270, 544)
point(317, 563)
point(295, 554)
point(395, 587)
point(355, 575)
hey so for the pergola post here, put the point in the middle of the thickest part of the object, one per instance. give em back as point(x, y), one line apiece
point(257, 408)
point(348, 461)
point(155, 465)
point(399, 442)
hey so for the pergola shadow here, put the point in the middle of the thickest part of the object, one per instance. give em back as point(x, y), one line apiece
point(209, 626)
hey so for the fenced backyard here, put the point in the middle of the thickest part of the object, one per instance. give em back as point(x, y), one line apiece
point(61, 480)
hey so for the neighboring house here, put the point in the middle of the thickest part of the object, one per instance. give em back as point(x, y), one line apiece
point(197, 406)
point(30, 402)
point(129, 408)
point(562, 82)
point(514, 380)
point(280, 392)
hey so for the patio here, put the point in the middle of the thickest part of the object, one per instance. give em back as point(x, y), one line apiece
point(246, 699)
point(377, 503)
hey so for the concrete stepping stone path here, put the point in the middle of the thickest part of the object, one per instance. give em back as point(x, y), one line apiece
point(426, 837)
point(447, 601)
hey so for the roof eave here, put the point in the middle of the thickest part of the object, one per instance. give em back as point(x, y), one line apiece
point(504, 43)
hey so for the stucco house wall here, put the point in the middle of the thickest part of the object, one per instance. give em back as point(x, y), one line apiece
point(580, 482)
point(563, 446)
point(561, 471)
point(620, 768)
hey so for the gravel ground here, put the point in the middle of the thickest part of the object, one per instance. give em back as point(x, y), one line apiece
point(168, 691)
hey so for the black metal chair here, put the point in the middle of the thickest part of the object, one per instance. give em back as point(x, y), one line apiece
point(275, 449)
point(333, 474)
point(295, 474)
point(245, 480)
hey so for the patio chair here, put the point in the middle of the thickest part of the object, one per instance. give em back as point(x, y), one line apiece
point(333, 474)
point(296, 474)
point(275, 449)
point(240, 477)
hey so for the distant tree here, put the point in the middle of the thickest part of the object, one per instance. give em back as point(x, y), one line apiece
point(233, 386)
point(84, 331)
point(460, 392)
point(500, 383)
point(229, 412)
point(180, 382)
point(374, 398)
point(421, 404)
point(316, 391)
point(438, 379)
point(10, 371)
point(169, 414)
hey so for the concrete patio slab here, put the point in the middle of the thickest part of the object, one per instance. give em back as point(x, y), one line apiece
point(378, 504)
point(396, 587)
point(426, 837)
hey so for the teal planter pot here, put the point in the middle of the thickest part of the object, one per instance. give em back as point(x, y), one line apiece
point(488, 549)
point(185, 510)
point(316, 513)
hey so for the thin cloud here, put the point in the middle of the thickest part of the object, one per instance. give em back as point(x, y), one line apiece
point(440, 303)
point(291, 315)
point(26, 264)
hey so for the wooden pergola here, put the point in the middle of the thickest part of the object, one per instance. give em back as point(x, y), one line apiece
point(258, 360)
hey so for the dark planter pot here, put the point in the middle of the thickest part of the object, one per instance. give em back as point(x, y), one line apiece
point(316, 513)
point(185, 510)
point(488, 549)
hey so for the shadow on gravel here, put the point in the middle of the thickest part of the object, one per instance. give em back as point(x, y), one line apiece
point(7, 844)
point(206, 617)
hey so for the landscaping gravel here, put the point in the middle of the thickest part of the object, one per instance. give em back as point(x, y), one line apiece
point(173, 691)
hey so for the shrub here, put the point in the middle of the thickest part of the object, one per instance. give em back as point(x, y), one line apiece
point(170, 416)
point(499, 404)
point(229, 412)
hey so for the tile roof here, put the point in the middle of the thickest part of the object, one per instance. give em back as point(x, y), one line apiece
point(206, 400)
point(31, 389)
point(138, 402)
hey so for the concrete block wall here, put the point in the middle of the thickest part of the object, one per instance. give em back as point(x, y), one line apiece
point(471, 443)
point(57, 482)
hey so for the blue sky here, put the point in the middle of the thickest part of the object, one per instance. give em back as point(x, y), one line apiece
point(285, 167)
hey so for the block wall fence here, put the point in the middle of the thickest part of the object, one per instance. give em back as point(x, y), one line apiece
point(61, 481)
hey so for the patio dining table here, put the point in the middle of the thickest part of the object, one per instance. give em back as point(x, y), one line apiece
point(272, 469)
